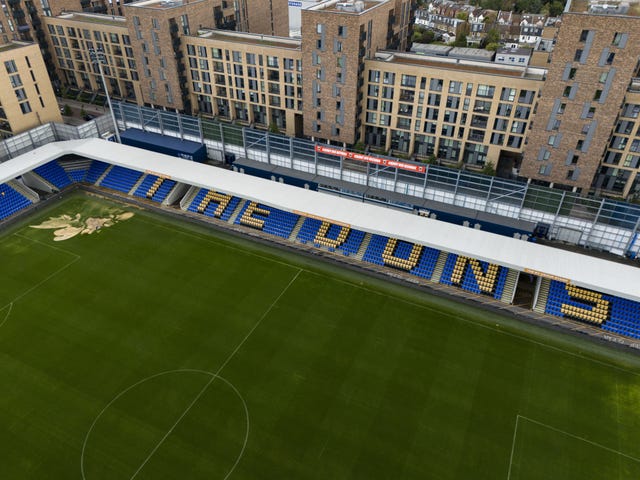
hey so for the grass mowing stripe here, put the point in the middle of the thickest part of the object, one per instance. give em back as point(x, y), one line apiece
point(426, 307)
point(197, 397)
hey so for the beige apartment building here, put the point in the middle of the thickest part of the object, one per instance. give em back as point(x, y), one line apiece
point(467, 112)
point(26, 96)
point(247, 78)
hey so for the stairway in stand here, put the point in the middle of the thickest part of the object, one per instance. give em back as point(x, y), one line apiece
point(510, 284)
point(543, 295)
point(363, 247)
point(236, 212)
point(296, 229)
point(437, 270)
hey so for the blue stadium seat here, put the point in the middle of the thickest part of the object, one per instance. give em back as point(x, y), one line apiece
point(54, 174)
point(95, 171)
point(11, 201)
point(277, 222)
point(121, 179)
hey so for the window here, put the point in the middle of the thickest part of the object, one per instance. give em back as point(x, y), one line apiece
point(25, 107)
point(572, 73)
point(10, 65)
point(617, 38)
point(552, 140)
point(603, 77)
point(485, 91)
point(342, 31)
point(319, 27)
point(583, 35)
point(574, 159)
point(610, 58)
point(155, 24)
point(591, 113)
point(20, 94)
point(567, 91)
point(597, 95)
point(561, 108)
point(15, 80)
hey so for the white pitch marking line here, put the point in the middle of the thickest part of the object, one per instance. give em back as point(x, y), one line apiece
point(197, 397)
point(409, 302)
point(26, 292)
point(577, 437)
point(46, 245)
point(513, 446)
point(213, 375)
point(10, 305)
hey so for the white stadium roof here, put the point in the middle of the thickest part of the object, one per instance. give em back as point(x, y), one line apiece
point(581, 270)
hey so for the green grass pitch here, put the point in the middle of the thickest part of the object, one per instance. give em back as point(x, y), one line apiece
point(158, 349)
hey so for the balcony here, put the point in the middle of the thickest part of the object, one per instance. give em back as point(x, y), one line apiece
point(634, 85)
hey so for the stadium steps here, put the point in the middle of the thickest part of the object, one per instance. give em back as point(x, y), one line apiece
point(102, 177)
point(188, 198)
point(363, 247)
point(76, 168)
point(510, 284)
point(543, 295)
point(23, 190)
point(155, 187)
point(137, 184)
point(296, 228)
point(236, 212)
point(439, 268)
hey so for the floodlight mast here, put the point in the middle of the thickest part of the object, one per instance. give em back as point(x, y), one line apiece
point(98, 57)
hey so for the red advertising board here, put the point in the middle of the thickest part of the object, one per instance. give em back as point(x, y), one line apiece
point(361, 157)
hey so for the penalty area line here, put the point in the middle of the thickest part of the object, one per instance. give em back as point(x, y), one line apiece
point(216, 374)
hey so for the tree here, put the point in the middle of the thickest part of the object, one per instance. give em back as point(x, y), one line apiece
point(492, 36)
point(66, 110)
point(492, 47)
point(556, 8)
point(461, 40)
point(273, 128)
point(489, 169)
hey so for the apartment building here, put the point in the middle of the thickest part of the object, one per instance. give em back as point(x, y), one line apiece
point(467, 112)
point(75, 37)
point(26, 96)
point(336, 41)
point(247, 79)
point(594, 72)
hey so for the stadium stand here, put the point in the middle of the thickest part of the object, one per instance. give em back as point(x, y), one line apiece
point(344, 239)
point(154, 188)
point(121, 178)
point(609, 312)
point(11, 201)
point(615, 314)
point(268, 219)
point(53, 173)
point(96, 170)
point(415, 259)
point(474, 276)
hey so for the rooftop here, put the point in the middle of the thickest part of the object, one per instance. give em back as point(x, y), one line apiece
point(605, 7)
point(159, 4)
point(250, 38)
point(95, 18)
point(5, 47)
point(347, 6)
point(472, 66)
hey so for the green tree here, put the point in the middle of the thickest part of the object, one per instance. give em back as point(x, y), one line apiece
point(461, 40)
point(492, 36)
point(66, 110)
point(489, 169)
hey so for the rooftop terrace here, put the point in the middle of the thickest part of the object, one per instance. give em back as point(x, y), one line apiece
point(250, 38)
point(603, 7)
point(95, 18)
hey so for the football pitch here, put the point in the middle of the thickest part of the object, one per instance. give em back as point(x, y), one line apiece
point(160, 349)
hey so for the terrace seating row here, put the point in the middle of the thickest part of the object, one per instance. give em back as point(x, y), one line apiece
point(474, 275)
point(404, 262)
point(309, 232)
point(11, 201)
point(121, 178)
point(268, 219)
point(145, 186)
point(54, 174)
point(96, 170)
point(331, 235)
